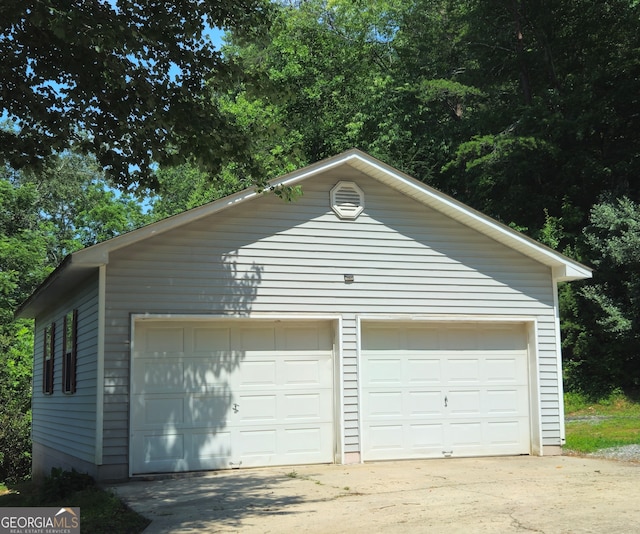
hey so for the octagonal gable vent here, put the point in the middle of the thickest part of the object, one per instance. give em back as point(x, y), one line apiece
point(347, 200)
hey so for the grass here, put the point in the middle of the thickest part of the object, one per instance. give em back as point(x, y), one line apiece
point(101, 512)
point(595, 425)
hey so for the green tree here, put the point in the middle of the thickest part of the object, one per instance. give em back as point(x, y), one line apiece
point(22, 266)
point(558, 125)
point(528, 110)
point(312, 79)
point(602, 339)
point(184, 187)
point(127, 81)
point(44, 217)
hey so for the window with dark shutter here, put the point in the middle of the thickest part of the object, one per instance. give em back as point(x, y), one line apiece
point(70, 352)
point(48, 358)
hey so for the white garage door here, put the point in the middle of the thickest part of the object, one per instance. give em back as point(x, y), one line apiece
point(435, 390)
point(212, 395)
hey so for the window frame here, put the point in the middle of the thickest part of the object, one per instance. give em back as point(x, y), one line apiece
point(48, 358)
point(70, 352)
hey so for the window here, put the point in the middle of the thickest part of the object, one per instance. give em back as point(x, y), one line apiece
point(69, 352)
point(48, 353)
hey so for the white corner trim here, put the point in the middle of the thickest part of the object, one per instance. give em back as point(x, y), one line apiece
point(102, 289)
point(338, 395)
point(361, 438)
point(556, 306)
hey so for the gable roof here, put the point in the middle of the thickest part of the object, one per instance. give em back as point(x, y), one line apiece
point(84, 262)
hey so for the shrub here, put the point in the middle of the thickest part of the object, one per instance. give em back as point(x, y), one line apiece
point(61, 484)
point(15, 444)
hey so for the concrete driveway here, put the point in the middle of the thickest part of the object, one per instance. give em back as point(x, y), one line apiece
point(509, 494)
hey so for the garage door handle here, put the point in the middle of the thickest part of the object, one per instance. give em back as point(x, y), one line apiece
point(445, 401)
point(236, 408)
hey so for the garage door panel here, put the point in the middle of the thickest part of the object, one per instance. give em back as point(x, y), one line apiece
point(506, 370)
point(384, 404)
point(265, 400)
point(505, 402)
point(381, 338)
point(305, 406)
point(257, 442)
point(254, 338)
point(504, 432)
point(211, 449)
point(423, 370)
point(463, 370)
point(385, 438)
point(192, 411)
point(152, 376)
point(301, 371)
point(164, 341)
point(458, 338)
point(421, 338)
point(448, 390)
point(162, 448)
point(425, 403)
point(255, 372)
point(209, 340)
point(177, 375)
point(209, 410)
point(303, 440)
point(464, 434)
point(463, 403)
point(382, 371)
point(503, 338)
point(165, 411)
point(204, 376)
point(309, 338)
point(426, 436)
point(256, 409)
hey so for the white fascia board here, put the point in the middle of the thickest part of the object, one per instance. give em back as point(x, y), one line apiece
point(566, 268)
point(99, 254)
point(569, 272)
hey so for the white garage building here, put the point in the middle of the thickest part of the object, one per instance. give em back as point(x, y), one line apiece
point(372, 318)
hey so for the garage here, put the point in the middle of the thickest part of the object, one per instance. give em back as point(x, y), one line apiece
point(214, 394)
point(373, 318)
point(432, 390)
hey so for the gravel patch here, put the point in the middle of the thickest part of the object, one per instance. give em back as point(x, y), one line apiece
point(626, 453)
point(588, 418)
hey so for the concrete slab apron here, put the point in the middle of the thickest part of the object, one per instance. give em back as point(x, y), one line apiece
point(509, 494)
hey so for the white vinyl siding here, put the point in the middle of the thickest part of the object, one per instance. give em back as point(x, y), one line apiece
point(268, 256)
point(66, 422)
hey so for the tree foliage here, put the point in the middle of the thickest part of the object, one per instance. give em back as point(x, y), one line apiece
point(492, 101)
point(558, 126)
point(44, 217)
point(127, 81)
point(602, 344)
point(528, 110)
point(184, 187)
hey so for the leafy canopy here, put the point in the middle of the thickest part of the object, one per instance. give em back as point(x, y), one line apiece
point(43, 217)
point(127, 80)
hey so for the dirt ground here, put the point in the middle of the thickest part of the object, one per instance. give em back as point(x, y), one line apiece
point(556, 494)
